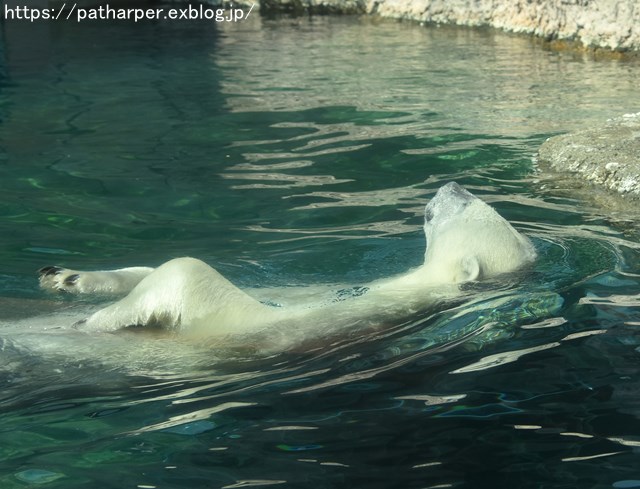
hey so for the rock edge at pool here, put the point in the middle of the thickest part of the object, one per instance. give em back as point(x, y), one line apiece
point(608, 155)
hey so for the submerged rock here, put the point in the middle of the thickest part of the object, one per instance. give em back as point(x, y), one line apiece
point(38, 476)
point(313, 6)
point(608, 156)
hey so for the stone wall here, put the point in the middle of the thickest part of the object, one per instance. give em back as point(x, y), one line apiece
point(611, 24)
point(608, 24)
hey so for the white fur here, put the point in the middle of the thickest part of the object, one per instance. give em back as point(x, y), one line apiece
point(467, 241)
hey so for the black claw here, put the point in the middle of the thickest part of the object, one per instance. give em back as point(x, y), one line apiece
point(71, 279)
point(50, 270)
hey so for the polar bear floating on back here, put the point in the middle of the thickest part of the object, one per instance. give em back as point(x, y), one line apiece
point(466, 241)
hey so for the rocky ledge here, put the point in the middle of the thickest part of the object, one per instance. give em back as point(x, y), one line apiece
point(608, 156)
point(596, 24)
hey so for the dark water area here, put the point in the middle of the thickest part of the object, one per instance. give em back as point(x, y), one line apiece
point(301, 152)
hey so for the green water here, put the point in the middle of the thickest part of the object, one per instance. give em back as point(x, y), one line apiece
point(302, 152)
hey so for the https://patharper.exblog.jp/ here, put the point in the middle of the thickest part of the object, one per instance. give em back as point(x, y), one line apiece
point(71, 12)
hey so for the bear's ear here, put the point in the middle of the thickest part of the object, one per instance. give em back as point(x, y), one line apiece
point(469, 270)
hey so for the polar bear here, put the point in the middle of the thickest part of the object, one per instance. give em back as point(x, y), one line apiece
point(467, 240)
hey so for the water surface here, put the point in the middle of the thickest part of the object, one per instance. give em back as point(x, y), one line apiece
point(301, 152)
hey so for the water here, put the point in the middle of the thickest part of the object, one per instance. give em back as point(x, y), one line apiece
point(301, 152)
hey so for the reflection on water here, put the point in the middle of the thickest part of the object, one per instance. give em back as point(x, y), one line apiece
point(430, 78)
point(296, 156)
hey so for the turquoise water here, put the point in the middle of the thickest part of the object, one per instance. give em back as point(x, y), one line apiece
point(301, 152)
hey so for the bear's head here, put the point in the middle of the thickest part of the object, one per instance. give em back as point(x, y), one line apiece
point(468, 240)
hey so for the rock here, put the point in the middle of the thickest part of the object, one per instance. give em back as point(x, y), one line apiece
point(608, 24)
point(608, 156)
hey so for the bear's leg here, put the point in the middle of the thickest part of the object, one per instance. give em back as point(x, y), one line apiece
point(111, 282)
point(181, 294)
